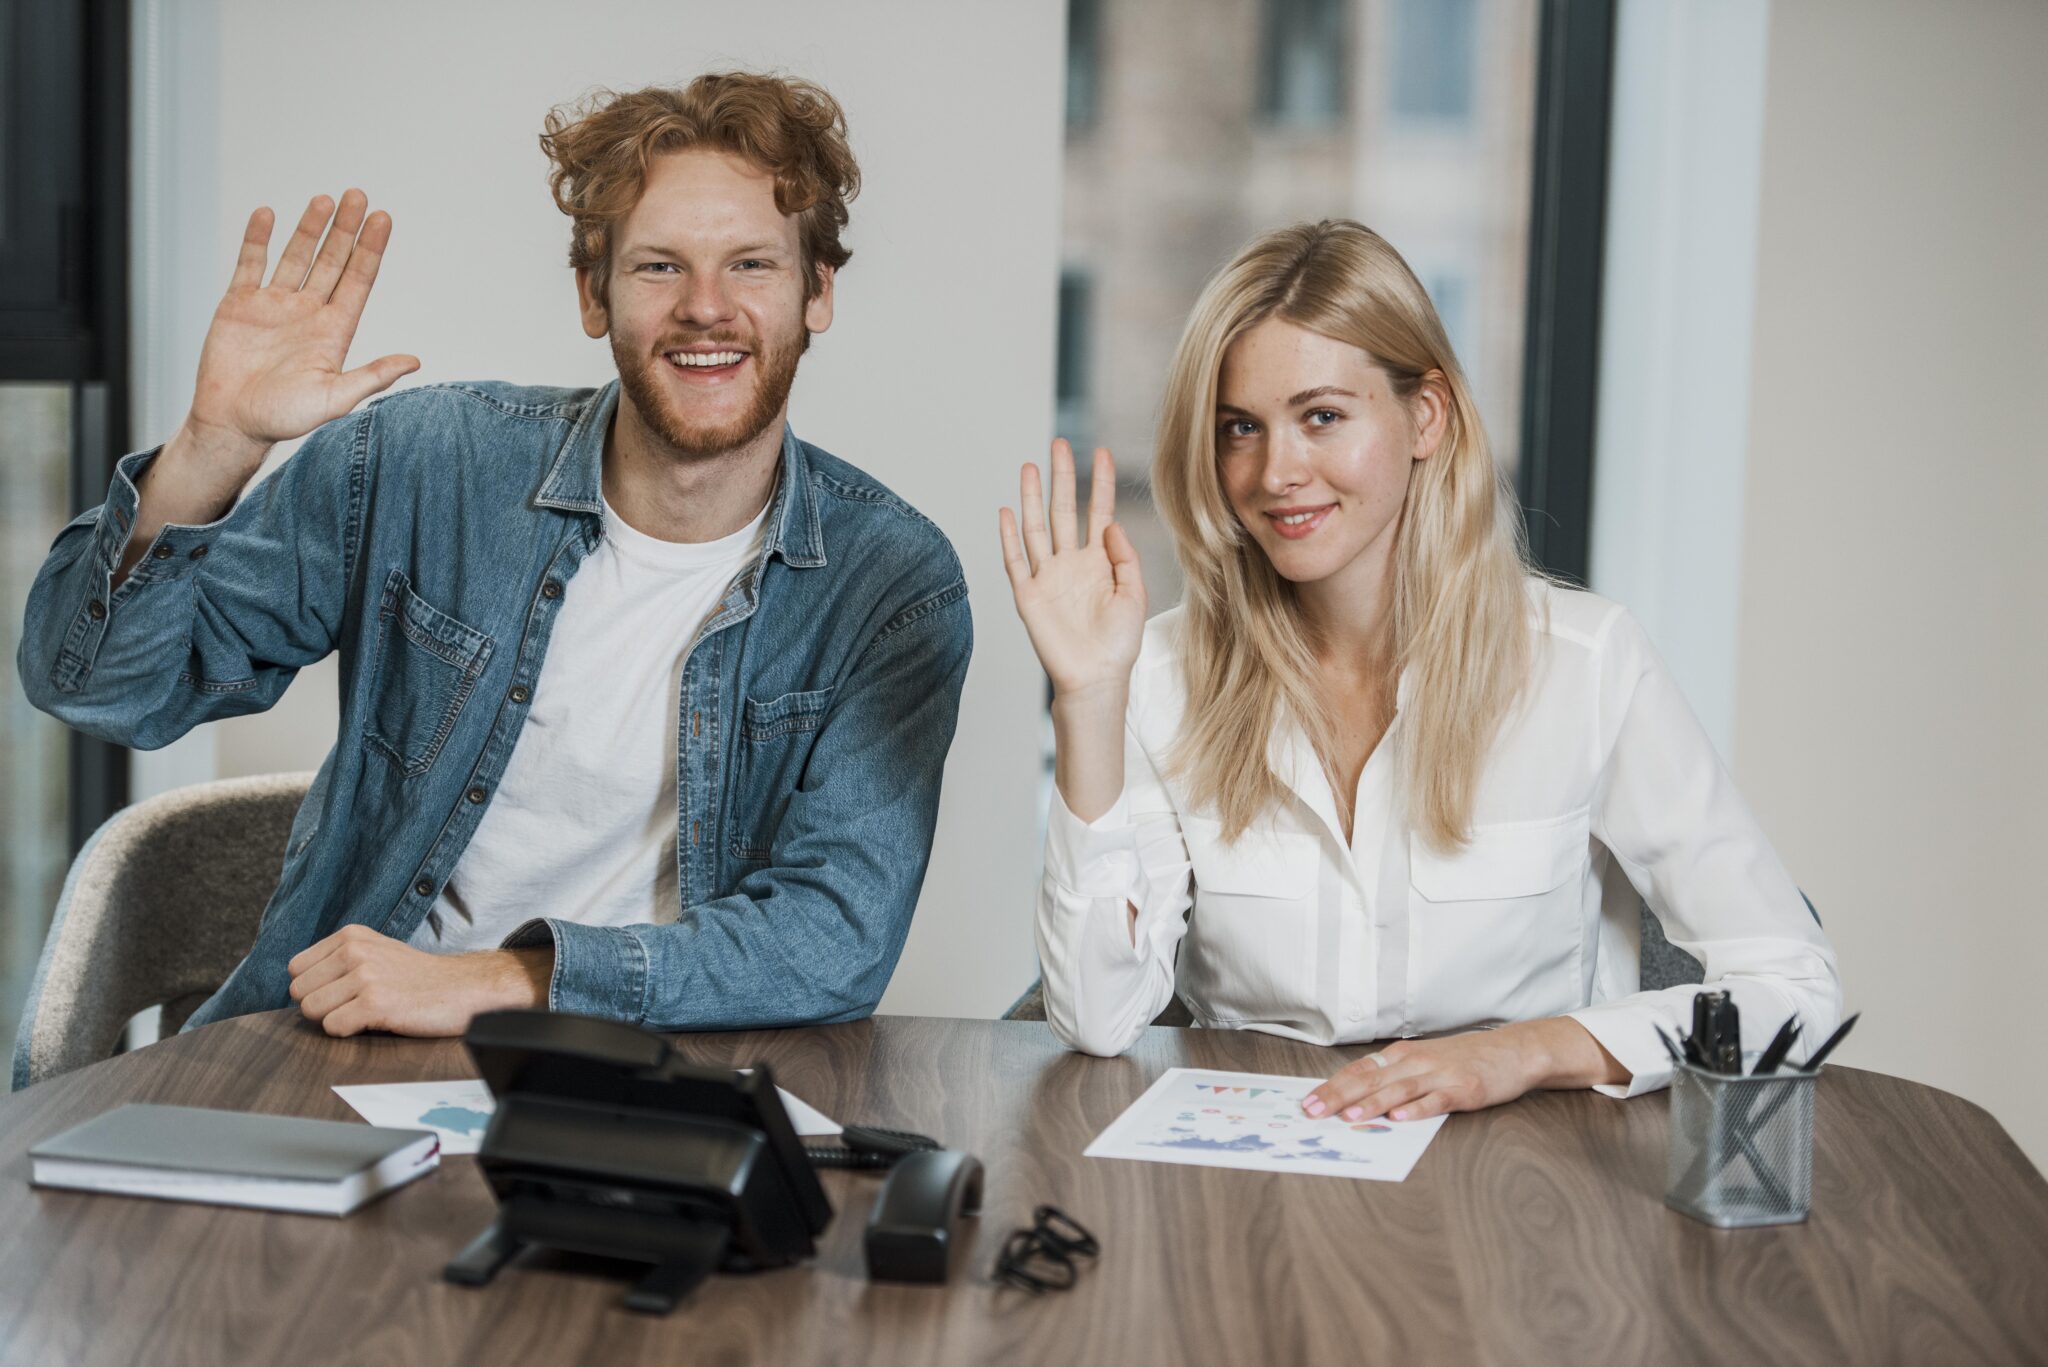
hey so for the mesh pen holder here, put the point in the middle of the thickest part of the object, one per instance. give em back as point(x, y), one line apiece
point(1741, 1147)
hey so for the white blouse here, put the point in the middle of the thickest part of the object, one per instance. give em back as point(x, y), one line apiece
point(1600, 786)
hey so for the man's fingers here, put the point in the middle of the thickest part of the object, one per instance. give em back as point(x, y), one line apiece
point(352, 291)
point(335, 252)
point(1063, 504)
point(1101, 496)
point(365, 380)
point(313, 954)
point(298, 250)
point(1032, 501)
point(319, 1004)
point(255, 251)
point(319, 975)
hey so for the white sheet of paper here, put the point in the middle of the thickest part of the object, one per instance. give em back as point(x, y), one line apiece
point(1254, 1121)
point(460, 1110)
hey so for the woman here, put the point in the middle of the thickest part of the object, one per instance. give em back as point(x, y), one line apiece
point(1374, 779)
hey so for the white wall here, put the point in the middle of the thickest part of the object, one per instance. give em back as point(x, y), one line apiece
point(1892, 719)
point(936, 376)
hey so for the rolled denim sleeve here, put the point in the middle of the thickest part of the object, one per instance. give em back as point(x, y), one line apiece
point(214, 620)
point(813, 937)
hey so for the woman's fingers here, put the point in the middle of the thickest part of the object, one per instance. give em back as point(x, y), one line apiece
point(1014, 563)
point(1031, 500)
point(1101, 496)
point(341, 241)
point(255, 251)
point(1123, 561)
point(298, 250)
point(1064, 517)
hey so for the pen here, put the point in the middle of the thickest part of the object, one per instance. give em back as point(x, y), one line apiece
point(1677, 1054)
point(1780, 1045)
point(1820, 1054)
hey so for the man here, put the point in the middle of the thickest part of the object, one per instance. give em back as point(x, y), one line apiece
point(644, 702)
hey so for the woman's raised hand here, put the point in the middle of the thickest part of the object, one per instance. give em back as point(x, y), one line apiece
point(1081, 599)
point(271, 368)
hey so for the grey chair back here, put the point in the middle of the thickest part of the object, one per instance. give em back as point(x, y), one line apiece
point(161, 904)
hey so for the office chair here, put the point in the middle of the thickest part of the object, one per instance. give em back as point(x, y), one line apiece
point(158, 908)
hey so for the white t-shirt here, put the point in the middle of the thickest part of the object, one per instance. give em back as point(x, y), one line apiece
point(583, 825)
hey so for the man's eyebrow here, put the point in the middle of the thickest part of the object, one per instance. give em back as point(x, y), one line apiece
point(656, 249)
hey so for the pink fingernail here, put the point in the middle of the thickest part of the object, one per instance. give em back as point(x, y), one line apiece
point(1400, 1115)
point(1355, 1113)
point(1314, 1105)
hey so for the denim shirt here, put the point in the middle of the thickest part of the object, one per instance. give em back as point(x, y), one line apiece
point(427, 538)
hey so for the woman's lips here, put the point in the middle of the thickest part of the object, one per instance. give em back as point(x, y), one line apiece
point(1295, 531)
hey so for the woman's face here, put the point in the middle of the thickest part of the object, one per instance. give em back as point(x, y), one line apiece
point(1315, 450)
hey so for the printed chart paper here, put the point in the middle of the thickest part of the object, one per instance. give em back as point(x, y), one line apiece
point(460, 1110)
point(1254, 1121)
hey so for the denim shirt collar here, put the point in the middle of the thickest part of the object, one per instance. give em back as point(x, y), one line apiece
point(575, 483)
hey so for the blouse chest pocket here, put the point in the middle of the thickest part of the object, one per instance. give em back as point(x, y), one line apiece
point(1250, 948)
point(427, 665)
point(1497, 928)
point(775, 743)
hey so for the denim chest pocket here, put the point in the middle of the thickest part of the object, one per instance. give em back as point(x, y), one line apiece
point(775, 743)
point(427, 666)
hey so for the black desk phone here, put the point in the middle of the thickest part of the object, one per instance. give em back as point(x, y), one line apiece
point(604, 1142)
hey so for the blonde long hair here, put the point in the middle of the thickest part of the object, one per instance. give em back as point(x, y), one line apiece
point(1459, 599)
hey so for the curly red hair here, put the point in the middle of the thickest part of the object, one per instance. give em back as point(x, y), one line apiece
point(793, 129)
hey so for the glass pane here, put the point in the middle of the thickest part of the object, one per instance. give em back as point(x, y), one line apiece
point(1214, 120)
point(35, 437)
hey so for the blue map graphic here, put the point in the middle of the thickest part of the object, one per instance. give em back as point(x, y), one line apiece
point(1314, 1147)
point(461, 1119)
point(1244, 1143)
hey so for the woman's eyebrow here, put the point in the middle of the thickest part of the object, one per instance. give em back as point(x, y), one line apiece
point(1320, 392)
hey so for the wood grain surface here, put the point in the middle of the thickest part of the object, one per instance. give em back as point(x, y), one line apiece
point(1532, 1233)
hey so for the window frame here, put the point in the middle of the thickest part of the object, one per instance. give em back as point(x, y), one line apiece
point(1567, 245)
point(75, 58)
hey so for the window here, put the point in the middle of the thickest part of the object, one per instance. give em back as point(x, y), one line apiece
point(1434, 47)
point(1070, 364)
point(63, 413)
point(1302, 83)
point(1084, 63)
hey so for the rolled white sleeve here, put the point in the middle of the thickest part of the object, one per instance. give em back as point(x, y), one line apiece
point(1668, 811)
point(1103, 984)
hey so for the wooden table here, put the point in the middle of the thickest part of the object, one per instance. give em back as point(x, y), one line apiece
point(1531, 1233)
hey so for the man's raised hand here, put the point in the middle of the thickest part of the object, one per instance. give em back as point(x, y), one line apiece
point(272, 366)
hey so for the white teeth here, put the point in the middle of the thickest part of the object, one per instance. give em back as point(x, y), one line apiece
point(698, 359)
point(1296, 519)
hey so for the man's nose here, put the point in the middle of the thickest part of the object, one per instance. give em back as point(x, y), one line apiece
point(705, 300)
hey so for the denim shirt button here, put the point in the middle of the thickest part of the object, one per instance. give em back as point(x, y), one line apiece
point(519, 693)
point(199, 552)
point(425, 887)
point(162, 552)
point(96, 610)
point(551, 589)
point(475, 795)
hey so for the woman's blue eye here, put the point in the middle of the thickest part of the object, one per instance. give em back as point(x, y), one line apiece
point(1231, 427)
point(1330, 413)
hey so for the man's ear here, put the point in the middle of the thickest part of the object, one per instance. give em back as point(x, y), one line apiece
point(818, 308)
point(597, 319)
